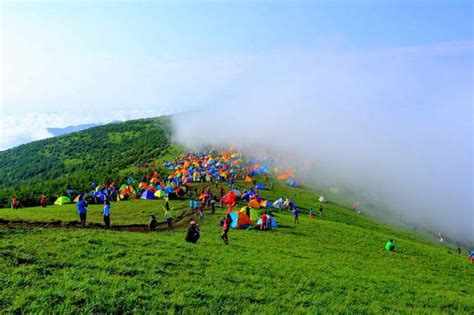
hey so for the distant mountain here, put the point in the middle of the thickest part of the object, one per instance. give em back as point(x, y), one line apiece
point(64, 131)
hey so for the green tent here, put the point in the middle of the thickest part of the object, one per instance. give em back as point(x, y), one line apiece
point(62, 200)
point(159, 194)
point(254, 213)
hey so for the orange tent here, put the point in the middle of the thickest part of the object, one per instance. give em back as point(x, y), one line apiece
point(248, 179)
point(254, 204)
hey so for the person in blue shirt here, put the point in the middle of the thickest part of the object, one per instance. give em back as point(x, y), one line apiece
point(82, 210)
point(106, 213)
point(296, 216)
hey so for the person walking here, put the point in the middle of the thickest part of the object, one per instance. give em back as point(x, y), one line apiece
point(82, 210)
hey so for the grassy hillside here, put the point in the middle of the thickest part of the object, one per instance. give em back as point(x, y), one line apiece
point(110, 151)
point(332, 264)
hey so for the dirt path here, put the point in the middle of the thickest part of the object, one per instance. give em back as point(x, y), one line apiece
point(180, 221)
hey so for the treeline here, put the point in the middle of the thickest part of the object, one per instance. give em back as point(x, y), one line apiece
point(111, 151)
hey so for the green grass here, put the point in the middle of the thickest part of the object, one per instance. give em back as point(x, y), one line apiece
point(334, 264)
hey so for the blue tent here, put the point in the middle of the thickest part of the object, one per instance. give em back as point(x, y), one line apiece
point(147, 194)
point(260, 186)
point(169, 190)
point(273, 225)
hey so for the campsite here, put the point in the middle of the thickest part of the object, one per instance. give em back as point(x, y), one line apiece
point(236, 157)
point(308, 267)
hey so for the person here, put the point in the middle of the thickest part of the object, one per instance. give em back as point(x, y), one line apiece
point(191, 204)
point(247, 211)
point(269, 221)
point(201, 211)
point(213, 205)
point(271, 185)
point(225, 228)
point(311, 214)
point(14, 203)
point(296, 214)
point(320, 211)
point(459, 250)
point(106, 213)
point(43, 201)
point(193, 233)
point(441, 238)
point(82, 210)
point(390, 246)
point(470, 257)
point(169, 219)
point(263, 221)
point(152, 223)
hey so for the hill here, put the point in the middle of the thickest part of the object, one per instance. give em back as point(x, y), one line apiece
point(48, 166)
point(333, 264)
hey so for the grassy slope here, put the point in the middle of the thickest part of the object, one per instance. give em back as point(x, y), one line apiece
point(97, 154)
point(332, 264)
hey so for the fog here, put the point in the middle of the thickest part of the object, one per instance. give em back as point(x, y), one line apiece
point(393, 128)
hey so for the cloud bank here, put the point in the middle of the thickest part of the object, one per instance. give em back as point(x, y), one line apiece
point(394, 126)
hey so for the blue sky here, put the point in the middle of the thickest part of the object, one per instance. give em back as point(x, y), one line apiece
point(149, 58)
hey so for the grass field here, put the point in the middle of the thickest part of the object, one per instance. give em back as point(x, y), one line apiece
point(332, 264)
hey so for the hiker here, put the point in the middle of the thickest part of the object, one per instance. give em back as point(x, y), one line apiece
point(296, 214)
point(271, 185)
point(320, 211)
point(441, 238)
point(43, 201)
point(247, 211)
point(390, 246)
point(201, 211)
point(459, 250)
point(263, 221)
point(225, 228)
point(193, 233)
point(82, 209)
point(169, 219)
point(14, 203)
point(470, 257)
point(106, 213)
point(191, 204)
point(213, 206)
point(152, 223)
point(311, 214)
point(269, 221)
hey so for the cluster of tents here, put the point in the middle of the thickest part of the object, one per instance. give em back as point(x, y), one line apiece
point(206, 166)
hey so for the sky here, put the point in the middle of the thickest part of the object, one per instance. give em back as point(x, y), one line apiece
point(379, 93)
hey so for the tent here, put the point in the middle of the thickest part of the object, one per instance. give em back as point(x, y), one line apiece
point(76, 199)
point(254, 204)
point(203, 196)
point(147, 194)
point(291, 183)
point(237, 193)
point(239, 220)
point(248, 179)
point(278, 203)
point(260, 186)
point(254, 215)
point(265, 204)
point(274, 222)
point(62, 200)
point(322, 199)
point(169, 190)
point(159, 194)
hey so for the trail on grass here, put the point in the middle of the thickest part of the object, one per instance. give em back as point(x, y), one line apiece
point(179, 221)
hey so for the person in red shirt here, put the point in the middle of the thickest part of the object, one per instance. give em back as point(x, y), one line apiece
point(263, 221)
point(14, 202)
point(43, 202)
point(225, 228)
